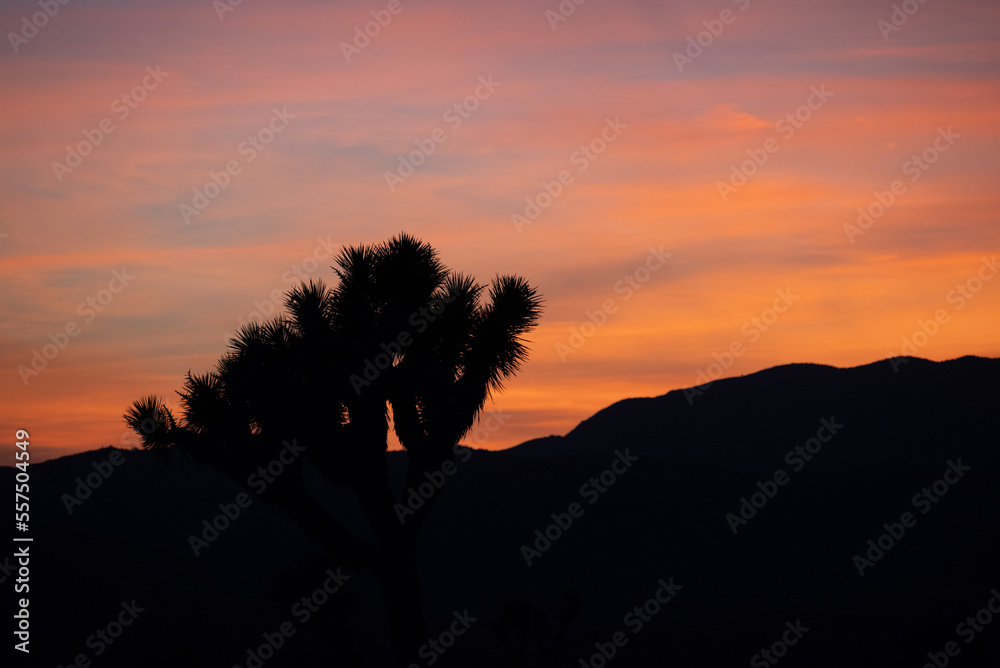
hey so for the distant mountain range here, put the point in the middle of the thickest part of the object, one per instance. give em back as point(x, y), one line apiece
point(905, 409)
point(804, 515)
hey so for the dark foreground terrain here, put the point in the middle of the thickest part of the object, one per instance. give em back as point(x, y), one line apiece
point(804, 515)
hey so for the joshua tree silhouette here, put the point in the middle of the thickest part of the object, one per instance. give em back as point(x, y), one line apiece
point(400, 330)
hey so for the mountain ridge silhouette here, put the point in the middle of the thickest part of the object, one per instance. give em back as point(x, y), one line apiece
point(909, 386)
point(665, 517)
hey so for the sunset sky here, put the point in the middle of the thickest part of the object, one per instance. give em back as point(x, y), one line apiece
point(744, 155)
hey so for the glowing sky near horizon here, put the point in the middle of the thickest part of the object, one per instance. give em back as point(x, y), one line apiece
point(663, 132)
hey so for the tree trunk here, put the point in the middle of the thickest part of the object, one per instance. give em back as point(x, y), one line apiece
point(396, 569)
point(397, 575)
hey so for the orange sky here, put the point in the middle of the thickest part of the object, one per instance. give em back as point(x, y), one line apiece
point(329, 130)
